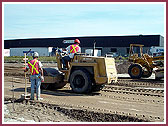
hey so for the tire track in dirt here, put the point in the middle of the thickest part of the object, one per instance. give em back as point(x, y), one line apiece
point(83, 115)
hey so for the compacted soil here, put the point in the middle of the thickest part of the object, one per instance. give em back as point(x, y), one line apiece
point(125, 101)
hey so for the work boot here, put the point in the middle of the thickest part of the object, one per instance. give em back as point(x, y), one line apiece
point(31, 98)
point(39, 99)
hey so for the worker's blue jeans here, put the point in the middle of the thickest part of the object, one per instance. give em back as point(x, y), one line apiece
point(35, 81)
point(65, 59)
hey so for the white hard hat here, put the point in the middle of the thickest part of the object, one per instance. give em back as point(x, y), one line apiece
point(35, 54)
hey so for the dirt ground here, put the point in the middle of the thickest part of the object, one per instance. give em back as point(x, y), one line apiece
point(125, 101)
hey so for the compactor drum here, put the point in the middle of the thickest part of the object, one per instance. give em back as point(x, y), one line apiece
point(53, 79)
point(84, 73)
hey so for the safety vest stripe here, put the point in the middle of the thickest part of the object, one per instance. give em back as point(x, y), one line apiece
point(73, 48)
point(33, 68)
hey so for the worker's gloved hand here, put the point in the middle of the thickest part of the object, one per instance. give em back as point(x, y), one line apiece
point(42, 78)
point(25, 69)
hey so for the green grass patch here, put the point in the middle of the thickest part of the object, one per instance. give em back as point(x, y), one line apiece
point(19, 59)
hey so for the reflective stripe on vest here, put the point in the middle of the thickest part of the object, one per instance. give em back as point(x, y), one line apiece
point(33, 68)
point(73, 48)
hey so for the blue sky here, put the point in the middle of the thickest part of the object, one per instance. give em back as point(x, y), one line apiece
point(67, 20)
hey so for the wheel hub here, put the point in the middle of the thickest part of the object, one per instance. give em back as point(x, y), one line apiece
point(79, 81)
point(135, 71)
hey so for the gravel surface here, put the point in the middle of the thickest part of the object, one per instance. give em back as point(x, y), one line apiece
point(126, 101)
point(31, 111)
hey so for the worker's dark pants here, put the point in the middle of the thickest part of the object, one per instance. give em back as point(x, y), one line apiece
point(65, 59)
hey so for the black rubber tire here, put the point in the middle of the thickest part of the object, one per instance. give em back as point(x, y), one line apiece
point(135, 71)
point(146, 73)
point(80, 81)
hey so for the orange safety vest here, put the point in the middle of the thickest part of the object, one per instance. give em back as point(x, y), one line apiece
point(34, 66)
point(74, 48)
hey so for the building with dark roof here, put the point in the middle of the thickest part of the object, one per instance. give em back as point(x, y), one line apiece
point(107, 44)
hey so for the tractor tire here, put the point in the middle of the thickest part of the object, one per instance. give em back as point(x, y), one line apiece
point(147, 72)
point(80, 81)
point(135, 71)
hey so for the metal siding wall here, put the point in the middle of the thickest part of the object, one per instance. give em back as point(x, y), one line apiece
point(101, 41)
point(105, 50)
point(161, 41)
point(146, 50)
point(19, 51)
point(120, 50)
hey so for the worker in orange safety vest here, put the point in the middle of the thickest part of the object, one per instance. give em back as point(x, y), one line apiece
point(36, 77)
point(71, 50)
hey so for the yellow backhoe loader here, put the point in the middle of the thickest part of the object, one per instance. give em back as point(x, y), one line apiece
point(142, 65)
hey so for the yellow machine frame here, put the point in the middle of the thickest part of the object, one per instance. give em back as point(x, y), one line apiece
point(99, 67)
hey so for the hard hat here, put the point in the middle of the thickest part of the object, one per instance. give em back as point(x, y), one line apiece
point(35, 54)
point(77, 41)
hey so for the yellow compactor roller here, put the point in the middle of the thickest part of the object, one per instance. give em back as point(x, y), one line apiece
point(84, 73)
